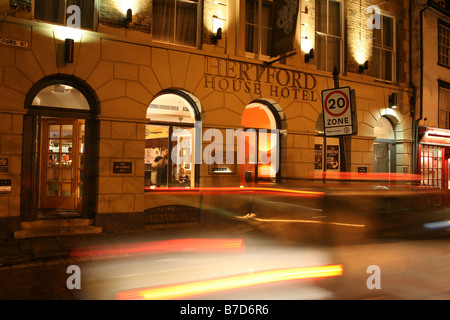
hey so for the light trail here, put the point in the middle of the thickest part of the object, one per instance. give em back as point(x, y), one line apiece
point(187, 290)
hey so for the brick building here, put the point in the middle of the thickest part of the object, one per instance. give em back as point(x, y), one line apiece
point(86, 112)
point(431, 79)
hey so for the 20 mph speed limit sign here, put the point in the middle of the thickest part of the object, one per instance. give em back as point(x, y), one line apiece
point(337, 111)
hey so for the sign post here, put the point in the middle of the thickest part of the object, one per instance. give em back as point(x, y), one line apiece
point(339, 115)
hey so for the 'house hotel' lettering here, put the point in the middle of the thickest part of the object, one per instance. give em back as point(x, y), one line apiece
point(236, 76)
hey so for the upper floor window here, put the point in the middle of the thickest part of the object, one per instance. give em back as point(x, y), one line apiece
point(258, 26)
point(55, 11)
point(444, 44)
point(329, 34)
point(383, 50)
point(176, 21)
point(444, 105)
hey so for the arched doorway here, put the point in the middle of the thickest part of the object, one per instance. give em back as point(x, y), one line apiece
point(170, 141)
point(260, 141)
point(384, 149)
point(59, 150)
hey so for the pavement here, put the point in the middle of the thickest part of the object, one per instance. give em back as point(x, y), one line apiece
point(32, 251)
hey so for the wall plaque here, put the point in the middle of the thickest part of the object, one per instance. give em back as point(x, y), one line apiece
point(362, 169)
point(5, 186)
point(4, 165)
point(122, 167)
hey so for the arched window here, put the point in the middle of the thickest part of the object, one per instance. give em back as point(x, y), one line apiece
point(260, 141)
point(61, 96)
point(169, 141)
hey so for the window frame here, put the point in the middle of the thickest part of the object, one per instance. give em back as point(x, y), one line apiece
point(432, 165)
point(198, 26)
point(243, 22)
point(447, 26)
point(326, 35)
point(445, 86)
point(381, 47)
point(170, 143)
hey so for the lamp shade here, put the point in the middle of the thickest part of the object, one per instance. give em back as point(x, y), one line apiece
point(68, 50)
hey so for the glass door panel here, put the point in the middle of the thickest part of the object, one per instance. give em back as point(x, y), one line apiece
point(182, 157)
point(80, 160)
point(156, 156)
point(267, 154)
point(248, 150)
point(52, 190)
point(60, 165)
point(431, 166)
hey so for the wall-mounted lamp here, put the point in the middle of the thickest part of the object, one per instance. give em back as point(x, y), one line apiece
point(309, 55)
point(217, 36)
point(68, 50)
point(363, 67)
point(129, 17)
point(393, 100)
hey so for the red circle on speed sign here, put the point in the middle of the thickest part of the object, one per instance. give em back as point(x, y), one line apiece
point(340, 94)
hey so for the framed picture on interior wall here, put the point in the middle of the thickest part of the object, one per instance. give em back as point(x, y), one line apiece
point(332, 157)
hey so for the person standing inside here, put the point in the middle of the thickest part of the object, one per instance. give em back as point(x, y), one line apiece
point(161, 162)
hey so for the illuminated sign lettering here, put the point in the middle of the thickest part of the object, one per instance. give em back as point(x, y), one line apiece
point(236, 76)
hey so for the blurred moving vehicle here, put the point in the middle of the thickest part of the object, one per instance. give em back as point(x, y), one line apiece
point(206, 268)
point(350, 208)
point(291, 241)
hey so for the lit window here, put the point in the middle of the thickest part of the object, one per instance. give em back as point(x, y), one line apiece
point(169, 143)
point(431, 166)
point(444, 45)
point(259, 144)
point(176, 21)
point(258, 26)
point(55, 11)
point(383, 50)
point(328, 34)
point(61, 96)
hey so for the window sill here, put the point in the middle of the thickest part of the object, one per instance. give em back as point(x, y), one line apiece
point(391, 82)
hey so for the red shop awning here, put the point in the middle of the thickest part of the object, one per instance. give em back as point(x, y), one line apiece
point(435, 136)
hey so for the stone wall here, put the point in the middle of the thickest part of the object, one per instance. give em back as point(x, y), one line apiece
point(127, 72)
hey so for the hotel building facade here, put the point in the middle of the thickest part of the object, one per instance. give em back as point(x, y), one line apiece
point(87, 113)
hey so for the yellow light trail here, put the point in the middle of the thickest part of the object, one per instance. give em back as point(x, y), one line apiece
point(253, 217)
point(228, 283)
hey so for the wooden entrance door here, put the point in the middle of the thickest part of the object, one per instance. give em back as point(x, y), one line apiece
point(61, 169)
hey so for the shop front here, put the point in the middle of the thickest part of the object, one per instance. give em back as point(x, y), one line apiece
point(434, 154)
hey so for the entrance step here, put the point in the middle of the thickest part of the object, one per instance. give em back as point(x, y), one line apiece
point(52, 228)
